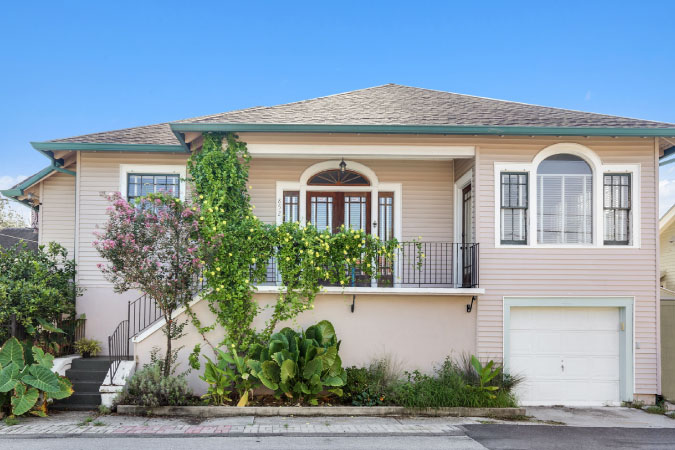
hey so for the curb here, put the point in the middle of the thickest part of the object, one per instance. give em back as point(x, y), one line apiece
point(317, 411)
point(233, 435)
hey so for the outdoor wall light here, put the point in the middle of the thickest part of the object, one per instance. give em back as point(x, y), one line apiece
point(343, 166)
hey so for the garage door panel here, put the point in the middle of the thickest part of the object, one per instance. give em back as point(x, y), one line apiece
point(540, 367)
point(568, 355)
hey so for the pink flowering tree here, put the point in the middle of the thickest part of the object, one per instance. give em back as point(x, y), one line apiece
point(151, 246)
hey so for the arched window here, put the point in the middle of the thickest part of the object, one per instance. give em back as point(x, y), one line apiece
point(337, 177)
point(564, 200)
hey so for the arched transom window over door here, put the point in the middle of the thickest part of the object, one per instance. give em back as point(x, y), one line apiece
point(564, 200)
point(330, 210)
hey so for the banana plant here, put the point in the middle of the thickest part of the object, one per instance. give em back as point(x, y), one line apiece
point(300, 365)
point(485, 375)
point(220, 377)
point(27, 380)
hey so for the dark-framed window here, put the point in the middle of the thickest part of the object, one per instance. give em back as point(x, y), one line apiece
point(385, 229)
point(291, 206)
point(142, 184)
point(617, 208)
point(514, 206)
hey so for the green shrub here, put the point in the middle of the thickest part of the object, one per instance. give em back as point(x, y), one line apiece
point(27, 380)
point(300, 366)
point(372, 385)
point(230, 372)
point(148, 387)
point(454, 385)
point(37, 290)
point(88, 347)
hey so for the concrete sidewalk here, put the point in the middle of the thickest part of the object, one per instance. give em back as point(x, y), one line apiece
point(83, 423)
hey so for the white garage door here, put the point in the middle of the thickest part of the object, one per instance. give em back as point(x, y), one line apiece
point(568, 356)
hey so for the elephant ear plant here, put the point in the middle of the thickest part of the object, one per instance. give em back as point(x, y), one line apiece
point(27, 380)
point(300, 366)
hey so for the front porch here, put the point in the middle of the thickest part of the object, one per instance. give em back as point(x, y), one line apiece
point(420, 193)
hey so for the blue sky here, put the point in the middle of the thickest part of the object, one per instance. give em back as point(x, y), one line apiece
point(72, 68)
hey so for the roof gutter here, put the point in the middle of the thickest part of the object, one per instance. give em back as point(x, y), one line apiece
point(47, 148)
point(424, 129)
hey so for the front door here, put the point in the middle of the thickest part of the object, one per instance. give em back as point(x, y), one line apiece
point(331, 210)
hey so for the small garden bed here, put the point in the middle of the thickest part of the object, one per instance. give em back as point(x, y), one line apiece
point(328, 411)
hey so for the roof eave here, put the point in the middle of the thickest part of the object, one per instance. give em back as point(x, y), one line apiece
point(424, 129)
point(44, 147)
point(18, 190)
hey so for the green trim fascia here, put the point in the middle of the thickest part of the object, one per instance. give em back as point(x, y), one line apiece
point(19, 189)
point(42, 147)
point(626, 311)
point(181, 138)
point(35, 178)
point(62, 170)
point(424, 129)
point(11, 193)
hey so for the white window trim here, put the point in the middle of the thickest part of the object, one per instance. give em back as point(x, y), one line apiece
point(598, 169)
point(173, 169)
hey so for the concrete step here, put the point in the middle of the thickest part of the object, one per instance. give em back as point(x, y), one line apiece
point(75, 375)
point(79, 398)
point(72, 407)
point(88, 387)
point(90, 364)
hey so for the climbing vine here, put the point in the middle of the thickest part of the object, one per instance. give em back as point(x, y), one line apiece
point(238, 247)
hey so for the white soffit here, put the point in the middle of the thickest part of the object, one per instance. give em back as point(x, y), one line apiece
point(322, 151)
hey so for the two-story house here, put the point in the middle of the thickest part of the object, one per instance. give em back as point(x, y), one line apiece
point(539, 227)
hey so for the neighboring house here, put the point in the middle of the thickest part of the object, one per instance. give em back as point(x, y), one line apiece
point(667, 248)
point(539, 225)
point(9, 237)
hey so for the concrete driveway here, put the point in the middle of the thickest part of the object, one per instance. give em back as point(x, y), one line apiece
point(613, 417)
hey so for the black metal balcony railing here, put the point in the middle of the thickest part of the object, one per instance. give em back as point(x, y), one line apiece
point(415, 264)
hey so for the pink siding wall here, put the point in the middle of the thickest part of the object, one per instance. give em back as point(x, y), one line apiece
point(571, 272)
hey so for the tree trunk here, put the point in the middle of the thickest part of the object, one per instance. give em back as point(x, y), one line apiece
point(167, 358)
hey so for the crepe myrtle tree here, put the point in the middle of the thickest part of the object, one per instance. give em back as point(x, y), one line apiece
point(151, 246)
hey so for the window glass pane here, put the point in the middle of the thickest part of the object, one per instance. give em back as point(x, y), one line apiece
point(337, 177)
point(291, 206)
point(617, 208)
point(355, 212)
point(565, 187)
point(385, 229)
point(321, 209)
point(141, 185)
point(514, 208)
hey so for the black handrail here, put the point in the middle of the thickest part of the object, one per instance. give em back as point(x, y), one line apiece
point(141, 314)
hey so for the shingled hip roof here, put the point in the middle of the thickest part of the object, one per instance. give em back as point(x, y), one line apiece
point(389, 105)
point(393, 104)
